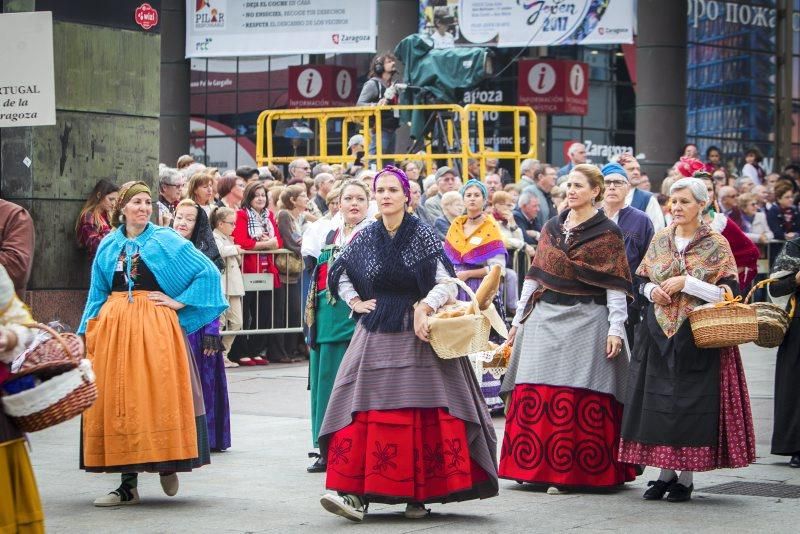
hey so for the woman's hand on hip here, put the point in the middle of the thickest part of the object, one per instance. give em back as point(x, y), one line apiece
point(613, 346)
point(364, 306)
point(160, 299)
point(421, 327)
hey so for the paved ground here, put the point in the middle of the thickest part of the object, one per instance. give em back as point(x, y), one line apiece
point(260, 485)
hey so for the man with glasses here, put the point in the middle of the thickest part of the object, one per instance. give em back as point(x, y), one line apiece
point(299, 170)
point(170, 186)
point(637, 232)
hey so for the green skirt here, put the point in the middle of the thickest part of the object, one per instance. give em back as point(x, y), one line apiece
point(334, 331)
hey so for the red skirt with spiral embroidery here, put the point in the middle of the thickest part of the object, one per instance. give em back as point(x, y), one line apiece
point(412, 455)
point(563, 436)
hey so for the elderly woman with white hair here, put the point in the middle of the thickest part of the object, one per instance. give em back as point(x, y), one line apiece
point(687, 408)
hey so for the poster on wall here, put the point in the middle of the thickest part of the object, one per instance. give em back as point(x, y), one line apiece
point(226, 28)
point(518, 23)
point(27, 79)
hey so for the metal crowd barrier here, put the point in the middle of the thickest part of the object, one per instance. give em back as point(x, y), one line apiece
point(258, 283)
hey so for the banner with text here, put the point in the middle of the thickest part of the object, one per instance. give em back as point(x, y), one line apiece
point(523, 23)
point(225, 28)
point(27, 81)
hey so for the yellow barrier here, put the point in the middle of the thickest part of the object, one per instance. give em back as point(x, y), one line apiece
point(457, 121)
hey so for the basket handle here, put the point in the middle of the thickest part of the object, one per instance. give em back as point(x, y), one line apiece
point(468, 290)
point(759, 285)
point(55, 335)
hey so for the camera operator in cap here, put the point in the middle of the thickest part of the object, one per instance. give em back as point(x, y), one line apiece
point(380, 90)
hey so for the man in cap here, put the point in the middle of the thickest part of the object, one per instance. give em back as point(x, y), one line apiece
point(446, 180)
point(637, 232)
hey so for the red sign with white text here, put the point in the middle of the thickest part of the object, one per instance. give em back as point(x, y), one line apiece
point(146, 16)
point(554, 86)
point(319, 86)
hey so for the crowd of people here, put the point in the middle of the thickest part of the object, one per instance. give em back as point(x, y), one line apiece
point(598, 277)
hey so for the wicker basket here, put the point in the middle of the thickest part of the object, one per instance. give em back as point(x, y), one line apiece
point(773, 321)
point(60, 353)
point(54, 401)
point(724, 324)
point(454, 337)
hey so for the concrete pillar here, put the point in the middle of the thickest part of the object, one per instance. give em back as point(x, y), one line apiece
point(107, 126)
point(174, 118)
point(661, 84)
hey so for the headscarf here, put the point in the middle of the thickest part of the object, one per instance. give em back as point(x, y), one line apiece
point(472, 182)
point(126, 193)
point(203, 239)
point(400, 175)
point(614, 169)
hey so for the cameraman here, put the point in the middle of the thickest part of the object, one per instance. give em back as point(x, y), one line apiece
point(379, 90)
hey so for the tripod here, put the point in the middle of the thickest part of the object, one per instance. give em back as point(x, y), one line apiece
point(435, 127)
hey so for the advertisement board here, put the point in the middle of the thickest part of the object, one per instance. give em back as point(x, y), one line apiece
point(554, 86)
point(226, 28)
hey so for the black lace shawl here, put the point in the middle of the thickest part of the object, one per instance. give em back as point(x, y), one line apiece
point(397, 272)
point(203, 239)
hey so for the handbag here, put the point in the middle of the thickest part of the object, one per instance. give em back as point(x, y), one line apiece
point(288, 263)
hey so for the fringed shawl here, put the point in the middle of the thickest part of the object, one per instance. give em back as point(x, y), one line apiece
point(483, 244)
point(591, 261)
point(707, 257)
point(397, 272)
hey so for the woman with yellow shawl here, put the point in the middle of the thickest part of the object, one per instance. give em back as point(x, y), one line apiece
point(473, 244)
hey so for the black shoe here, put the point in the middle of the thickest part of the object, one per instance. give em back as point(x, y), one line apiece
point(320, 466)
point(680, 493)
point(658, 488)
point(795, 461)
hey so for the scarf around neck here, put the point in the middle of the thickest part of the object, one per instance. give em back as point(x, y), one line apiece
point(707, 257)
point(396, 271)
point(591, 261)
point(483, 244)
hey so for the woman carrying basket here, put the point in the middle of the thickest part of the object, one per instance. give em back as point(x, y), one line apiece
point(567, 374)
point(687, 408)
point(149, 288)
point(402, 425)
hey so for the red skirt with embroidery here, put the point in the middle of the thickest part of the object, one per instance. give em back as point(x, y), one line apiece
point(736, 445)
point(405, 455)
point(563, 436)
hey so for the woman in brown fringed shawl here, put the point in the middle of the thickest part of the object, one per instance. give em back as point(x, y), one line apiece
point(567, 375)
point(687, 408)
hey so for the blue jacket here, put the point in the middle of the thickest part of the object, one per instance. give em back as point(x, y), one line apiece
point(182, 271)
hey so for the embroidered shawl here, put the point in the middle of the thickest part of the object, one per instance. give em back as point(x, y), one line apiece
point(589, 262)
point(396, 271)
point(475, 249)
point(707, 257)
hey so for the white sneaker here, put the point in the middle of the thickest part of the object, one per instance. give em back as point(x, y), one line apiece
point(552, 490)
point(347, 506)
point(169, 483)
point(116, 498)
point(415, 510)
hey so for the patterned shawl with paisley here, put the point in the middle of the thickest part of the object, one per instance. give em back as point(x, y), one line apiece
point(474, 249)
point(707, 257)
point(589, 262)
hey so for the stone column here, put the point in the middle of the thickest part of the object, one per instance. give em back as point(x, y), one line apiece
point(661, 84)
point(174, 118)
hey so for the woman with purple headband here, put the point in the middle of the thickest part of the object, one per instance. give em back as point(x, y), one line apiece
point(402, 425)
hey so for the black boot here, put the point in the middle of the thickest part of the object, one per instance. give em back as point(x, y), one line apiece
point(319, 466)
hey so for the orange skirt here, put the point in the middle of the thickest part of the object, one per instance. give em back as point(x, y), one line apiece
point(144, 413)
